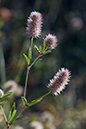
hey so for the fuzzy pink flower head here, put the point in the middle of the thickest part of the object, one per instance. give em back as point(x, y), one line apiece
point(57, 84)
point(34, 24)
point(50, 40)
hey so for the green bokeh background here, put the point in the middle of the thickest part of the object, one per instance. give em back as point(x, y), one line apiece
point(67, 20)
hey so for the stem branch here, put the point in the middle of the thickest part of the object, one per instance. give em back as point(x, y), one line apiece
point(27, 74)
point(34, 61)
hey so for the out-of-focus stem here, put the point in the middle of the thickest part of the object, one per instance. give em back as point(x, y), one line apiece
point(2, 65)
point(3, 113)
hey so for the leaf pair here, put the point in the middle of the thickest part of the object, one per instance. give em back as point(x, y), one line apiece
point(40, 48)
point(24, 101)
point(43, 49)
point(13, 110)
point(33, 102)
point(12, 113)
point(3, 97)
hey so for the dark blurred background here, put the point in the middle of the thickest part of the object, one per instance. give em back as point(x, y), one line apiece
point(67, 20)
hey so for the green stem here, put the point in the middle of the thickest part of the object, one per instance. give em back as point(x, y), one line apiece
point(31, 46)
point(34, 61)
point(27, 74)
point(46, 49)
point(25, 88)
point(2, 63)
point(3, 113)
point(24, 108)
point(45, 94)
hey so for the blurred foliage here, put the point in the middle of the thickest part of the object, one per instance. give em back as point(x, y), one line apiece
point(67, 20)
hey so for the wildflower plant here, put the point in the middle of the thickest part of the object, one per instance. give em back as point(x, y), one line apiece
point(56, 85)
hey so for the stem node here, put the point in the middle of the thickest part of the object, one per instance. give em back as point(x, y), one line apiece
point(8, 125)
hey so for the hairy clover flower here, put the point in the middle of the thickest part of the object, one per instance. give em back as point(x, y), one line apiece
point(57, 84)
point(50, 40)
point(34, 24)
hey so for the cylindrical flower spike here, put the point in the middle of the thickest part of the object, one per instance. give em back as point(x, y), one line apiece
point(57, 84)
point(1, 93)
point(50, 40)
point(34, 24)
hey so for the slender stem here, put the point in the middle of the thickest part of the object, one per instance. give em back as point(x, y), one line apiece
point(34, 61)
point(45, 94)
point(25, 88)
point(46, 49)
point(17, 115)
point(24, 108)
point(31, 46)
point(27, 74)
point(2, 63)
point(3, 113)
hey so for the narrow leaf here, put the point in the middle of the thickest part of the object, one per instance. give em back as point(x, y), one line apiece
point(12, 110)
point(2, 102)
point(47, 52)
point(24, 100)
point(40, 48)
point(48, 49)
point(20, 118)
point(43, 46)
point(29, 54)
point(6, 95)
point(27, 59)
point(36, 48)
point(14, 113)
point(34, 102)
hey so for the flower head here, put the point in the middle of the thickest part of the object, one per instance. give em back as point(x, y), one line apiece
point(50, 40)
point(12, 86)
point(36, 125)
point(57, 84)
point(34, 24)
point(1, 93)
